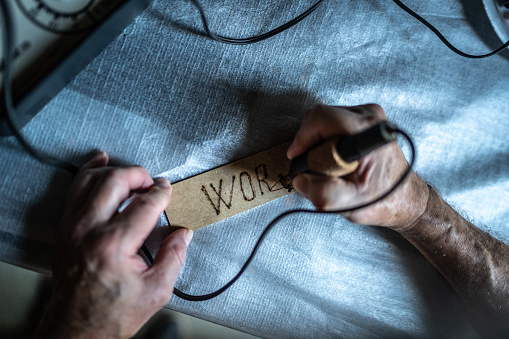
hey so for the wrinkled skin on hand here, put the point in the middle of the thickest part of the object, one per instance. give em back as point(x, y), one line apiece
point(377, 171)
point(102, 288)
point(472, 261)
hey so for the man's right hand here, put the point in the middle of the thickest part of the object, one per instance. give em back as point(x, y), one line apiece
point(475, 263)
point(376, 174)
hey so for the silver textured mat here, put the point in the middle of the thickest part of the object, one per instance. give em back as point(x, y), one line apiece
point(164, 96)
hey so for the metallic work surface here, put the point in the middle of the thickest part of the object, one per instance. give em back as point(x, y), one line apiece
point(165, 96)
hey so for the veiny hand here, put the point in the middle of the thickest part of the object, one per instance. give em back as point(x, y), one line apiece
point(102, 288)
point(377, 171)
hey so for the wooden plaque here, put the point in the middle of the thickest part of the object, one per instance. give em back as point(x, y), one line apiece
point(233, 188)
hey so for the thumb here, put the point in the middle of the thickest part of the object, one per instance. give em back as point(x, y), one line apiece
point(169, 261)
point(326, 193)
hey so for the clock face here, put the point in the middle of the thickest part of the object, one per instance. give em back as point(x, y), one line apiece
point(67, 16)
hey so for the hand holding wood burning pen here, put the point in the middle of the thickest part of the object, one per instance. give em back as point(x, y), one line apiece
point(473, 262)
point(339, 156)
point(103, 241)
point(349, 167)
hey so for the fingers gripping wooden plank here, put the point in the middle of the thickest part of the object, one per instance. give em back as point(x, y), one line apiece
point(228, 190)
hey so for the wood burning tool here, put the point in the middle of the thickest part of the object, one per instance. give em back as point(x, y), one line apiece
point(339, 156)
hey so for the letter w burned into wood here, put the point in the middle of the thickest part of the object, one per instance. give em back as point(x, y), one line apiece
point(212, 196)
point(217, 207)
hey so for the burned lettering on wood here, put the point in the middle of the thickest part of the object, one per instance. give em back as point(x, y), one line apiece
point(202, 200)
point(219, 197)
point(246, 187)
point(250, 185)
point(260, 180)
point(263, 168)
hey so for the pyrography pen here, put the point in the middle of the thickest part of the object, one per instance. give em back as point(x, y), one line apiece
point(339, 156)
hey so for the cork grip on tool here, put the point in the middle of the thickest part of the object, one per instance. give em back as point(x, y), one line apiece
point(325, 159)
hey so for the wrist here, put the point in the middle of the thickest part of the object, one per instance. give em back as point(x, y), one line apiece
point(413, 206)
point(415, 227)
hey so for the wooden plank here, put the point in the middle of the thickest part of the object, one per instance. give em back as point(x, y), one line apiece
point(228, 190)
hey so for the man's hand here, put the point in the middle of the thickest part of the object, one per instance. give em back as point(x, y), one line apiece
point(475, 264)
point(102, 288)
point(377, 172)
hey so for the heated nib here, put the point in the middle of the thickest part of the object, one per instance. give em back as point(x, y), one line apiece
point(285, 181)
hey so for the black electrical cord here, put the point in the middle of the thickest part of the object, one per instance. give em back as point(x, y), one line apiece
point(9, 110)
point(444, 40)
point(8, 48)
point(258, 38)
point(267, 229)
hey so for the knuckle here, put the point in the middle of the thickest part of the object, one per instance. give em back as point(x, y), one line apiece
point(373, 107)
point(107, 247)
point(320, 110)
point(84, 179)
point(86, 176)
point(363, 116)
point(164, 191)
point(376, 110)
point(112, 174)
point(102, 242)
point(316, 111)
point(138, 169)
point(148, 201)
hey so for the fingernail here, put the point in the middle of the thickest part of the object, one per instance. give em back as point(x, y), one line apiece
point(289, 152)
point(100, 155)
point(162, 182)
point(188, 237)
point(301, 183)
